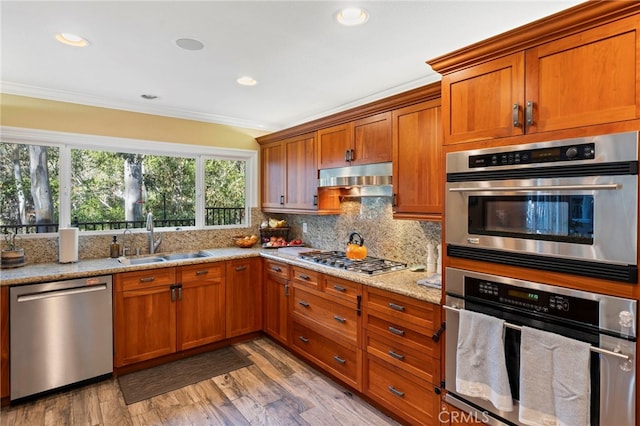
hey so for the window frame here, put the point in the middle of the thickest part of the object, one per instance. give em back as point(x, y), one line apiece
point(65, 142)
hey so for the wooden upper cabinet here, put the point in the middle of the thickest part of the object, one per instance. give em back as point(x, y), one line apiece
point(418, 161)
point(363, 141)
point(572, 71)
point(301, 178)
point(274, 165)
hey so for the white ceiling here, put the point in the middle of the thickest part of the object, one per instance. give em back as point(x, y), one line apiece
point(306, 64)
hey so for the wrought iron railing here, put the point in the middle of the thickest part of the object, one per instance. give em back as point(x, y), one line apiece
point(214, 216)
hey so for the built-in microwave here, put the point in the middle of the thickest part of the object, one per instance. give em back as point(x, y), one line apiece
point(567, 205)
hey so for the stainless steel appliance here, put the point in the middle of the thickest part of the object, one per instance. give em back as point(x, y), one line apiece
point(61, 333)
point(568, 206)
point(338, 259)
point(608, 323)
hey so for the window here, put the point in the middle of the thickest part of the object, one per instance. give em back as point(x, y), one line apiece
point(106, 184)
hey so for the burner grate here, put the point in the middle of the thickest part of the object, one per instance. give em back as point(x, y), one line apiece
point(338, 259)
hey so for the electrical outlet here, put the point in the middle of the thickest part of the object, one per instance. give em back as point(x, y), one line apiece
point(304, 227)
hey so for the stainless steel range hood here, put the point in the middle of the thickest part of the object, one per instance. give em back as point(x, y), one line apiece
point(370, 180)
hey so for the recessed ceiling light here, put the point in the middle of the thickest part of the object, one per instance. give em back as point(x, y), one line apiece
point(189, 44)
point(148, 96)
point(247, 81)
point(351, 16)
point(71, 39)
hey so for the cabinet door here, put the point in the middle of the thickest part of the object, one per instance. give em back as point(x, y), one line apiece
point(244, 296)
point(372, 139)
point(418, 161)
point(276, 312)
point(273, 175)
point(201, 305)
point(481, 102)
point(301, 174)
point(585, 79)
point(145, 324)
point(333, 144)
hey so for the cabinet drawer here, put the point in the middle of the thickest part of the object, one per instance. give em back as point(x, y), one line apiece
point(279, 269)
point(344, 289)
point(397, 333)
point(407, 357)
point(342, 319)
point(305, 276)
point(145, 279)
point(203, 271)
point(404, 394)
point(343, 361)
point(411, 313)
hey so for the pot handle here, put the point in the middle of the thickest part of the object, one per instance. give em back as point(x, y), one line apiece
point(352, 239)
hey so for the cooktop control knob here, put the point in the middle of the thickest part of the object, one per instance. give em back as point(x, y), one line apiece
point(571, 152)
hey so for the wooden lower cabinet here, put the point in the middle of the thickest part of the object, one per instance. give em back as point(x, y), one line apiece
point(276, 300)
point(160, 311)
point(243, 296)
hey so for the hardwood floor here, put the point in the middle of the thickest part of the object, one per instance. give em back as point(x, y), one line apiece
point(277, 389)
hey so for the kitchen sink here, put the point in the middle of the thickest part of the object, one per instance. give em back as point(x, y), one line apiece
point(180, 256)
point(143, 260)
point(164, 258)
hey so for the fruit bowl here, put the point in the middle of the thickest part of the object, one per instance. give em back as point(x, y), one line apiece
point(245, 242)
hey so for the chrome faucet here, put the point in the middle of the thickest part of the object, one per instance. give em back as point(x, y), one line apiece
point(126, 249)
point(153, 245)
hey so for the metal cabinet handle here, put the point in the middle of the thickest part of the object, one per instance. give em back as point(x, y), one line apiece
point(315, 200)
point(202, 272)
point(147, 279)
point(395, 307)
point(346, 155)
point(529, 113)
point(339, 360)
point(173, 294)
point(339, 288)
point(276, 268)
point(303, 304)
point(394, 200)
point(339, 319)
point(241, 268)
point(359, 304)
point(396, 355)
point(303, 339)
point(180, 293)
point(516, 115)
point(396, 331)
point(439, 331)
point(282, 200)
point(396, 392)
point(305, 277)
point(286, 290)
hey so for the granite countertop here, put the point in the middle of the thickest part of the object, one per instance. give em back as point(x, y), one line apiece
point(402, 282)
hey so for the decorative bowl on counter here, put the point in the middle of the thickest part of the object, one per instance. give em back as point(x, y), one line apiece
point(245, 242)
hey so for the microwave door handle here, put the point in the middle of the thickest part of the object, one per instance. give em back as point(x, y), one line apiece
point(595, 349)
point(604, 186)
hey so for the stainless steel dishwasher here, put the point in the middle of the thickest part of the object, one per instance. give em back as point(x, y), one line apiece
point(61, 333)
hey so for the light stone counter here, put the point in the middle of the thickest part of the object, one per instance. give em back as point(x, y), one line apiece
point(401, 282)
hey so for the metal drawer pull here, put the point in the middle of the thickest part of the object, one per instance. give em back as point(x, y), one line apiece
point(516, 115)
point(202, 272)
point(241, 268)
point(303, 303)
point(303, 339)
point(395, 307)
point(305, 277)
point(339, 360)
point(595, 349)
point(396, 355)
point(529, 113)
point(147, 279)
point(339, 288)
point(339, 319)
point(276, 268)
point(396, 392)
point(396, 331)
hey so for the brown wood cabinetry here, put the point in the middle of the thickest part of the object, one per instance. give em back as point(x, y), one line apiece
point(4, 342)
point(569, 72)
point(418, 161)
point(402, 361)
point(327, 324)
point(161, 311)
point(243, 296)
point(363, 141)
point(276, 300)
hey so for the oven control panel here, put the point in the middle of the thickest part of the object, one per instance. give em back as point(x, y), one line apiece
point(585, 151)
point(533, 300)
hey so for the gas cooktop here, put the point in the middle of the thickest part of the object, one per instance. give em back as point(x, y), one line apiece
point(338, 259)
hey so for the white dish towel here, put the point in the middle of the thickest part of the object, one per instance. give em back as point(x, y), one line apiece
point(481, 369)
point(555, 386)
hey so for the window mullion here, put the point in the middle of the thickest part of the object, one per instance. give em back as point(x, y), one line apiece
point(200, 204)
point(65, 186)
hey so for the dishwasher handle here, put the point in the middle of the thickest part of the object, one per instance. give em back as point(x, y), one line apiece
point(57, 293)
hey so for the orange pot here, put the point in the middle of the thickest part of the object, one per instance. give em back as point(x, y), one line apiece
point(355, 247)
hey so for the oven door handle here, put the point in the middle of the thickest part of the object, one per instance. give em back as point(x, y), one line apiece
point(595, 349)
point(604, 186)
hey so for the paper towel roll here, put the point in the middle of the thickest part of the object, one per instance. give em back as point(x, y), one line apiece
point(68, 245)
